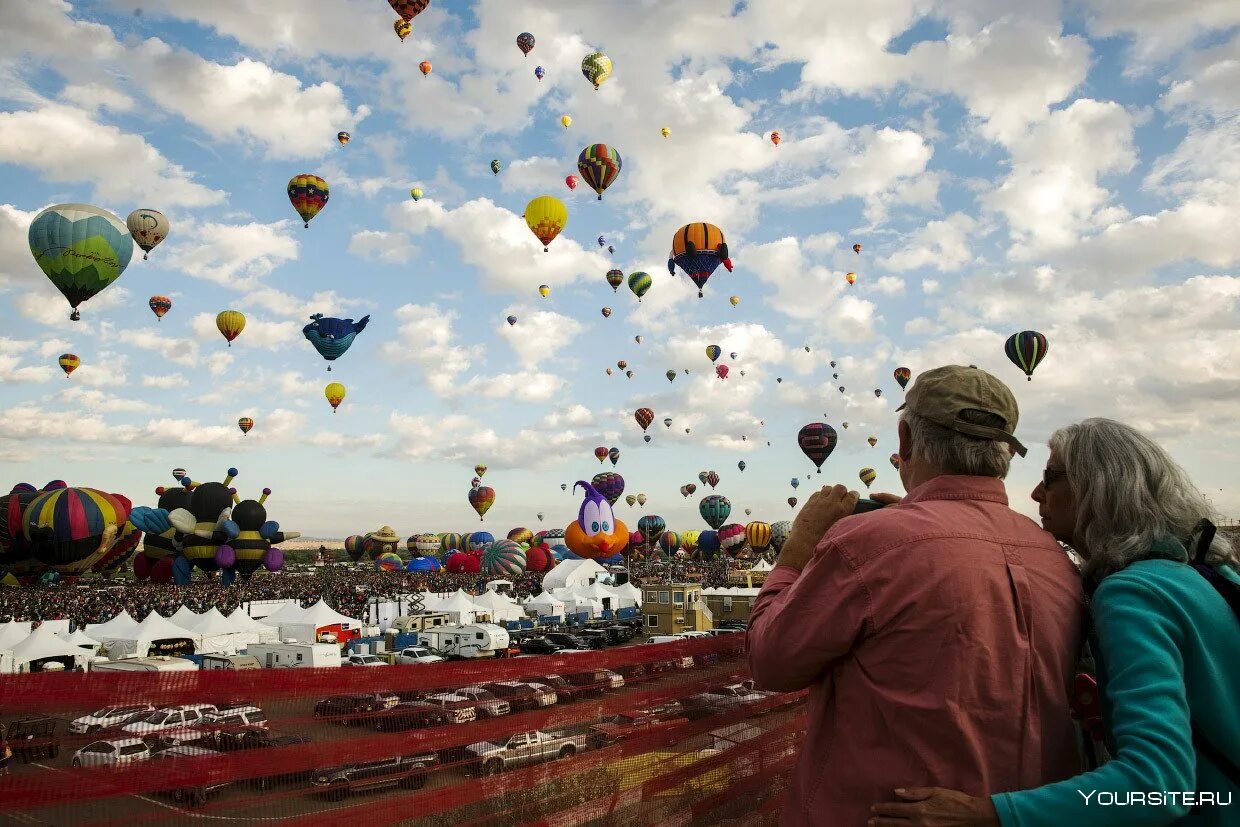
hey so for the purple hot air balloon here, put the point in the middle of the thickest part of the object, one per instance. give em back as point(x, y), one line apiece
point(817, 441)
point(609, 484)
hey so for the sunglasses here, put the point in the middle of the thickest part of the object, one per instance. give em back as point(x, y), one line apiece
point(1051, 475)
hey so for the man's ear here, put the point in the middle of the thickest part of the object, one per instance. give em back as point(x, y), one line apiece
point(906, 441)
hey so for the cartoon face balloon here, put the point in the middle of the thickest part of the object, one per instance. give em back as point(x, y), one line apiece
point(596, 533)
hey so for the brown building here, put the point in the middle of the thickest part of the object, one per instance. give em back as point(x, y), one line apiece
point(730, 604)
point(675, 607)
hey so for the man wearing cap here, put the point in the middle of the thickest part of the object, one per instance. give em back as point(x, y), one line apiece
point(938, 636)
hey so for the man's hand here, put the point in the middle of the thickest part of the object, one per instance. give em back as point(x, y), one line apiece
point(823, 509)
point(934, 807)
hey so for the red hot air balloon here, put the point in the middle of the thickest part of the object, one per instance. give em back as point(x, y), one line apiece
point(721, 371)
point(159, 305)
point(644, 417)
point(571, 181)
point(902, 376)
point(817, 441)
point(712, 479)
point(481, 498)
point(600, 453)
point(245, 424)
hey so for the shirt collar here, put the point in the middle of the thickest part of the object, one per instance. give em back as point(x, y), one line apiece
point(959, 487)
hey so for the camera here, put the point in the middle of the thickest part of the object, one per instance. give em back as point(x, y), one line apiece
point(866, 505)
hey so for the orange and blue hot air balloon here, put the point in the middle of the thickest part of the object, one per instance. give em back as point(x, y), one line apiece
point(596, 533)
point(599, 165)
point(332, 337)
point(308, 194)
point(160, 305)
point(698, 249)
point(69, 529)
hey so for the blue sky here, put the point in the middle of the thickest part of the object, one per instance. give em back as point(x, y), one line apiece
point(1070, 170)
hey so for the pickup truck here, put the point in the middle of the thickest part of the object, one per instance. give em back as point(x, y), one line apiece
point(409, 771)
point(351, 710)
point(523, 748)
point(638, 723)
point(409, 715)
point(362, 659)
point(720, 699)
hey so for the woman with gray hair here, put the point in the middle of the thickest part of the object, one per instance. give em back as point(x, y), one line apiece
point(1166, 640)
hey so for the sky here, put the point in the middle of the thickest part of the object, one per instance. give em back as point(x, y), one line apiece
point(1072, 169)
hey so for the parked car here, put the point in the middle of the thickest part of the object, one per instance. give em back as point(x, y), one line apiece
point(195, 795)
point(538, 646)
point(724, 630)
point(596, 638)
point(622, 633)
point(173, 725)
point(523, 748)
point(720, 699)
point(521, 695)
point(638, 723)
point(350, 710)
point(112, 753)
point(566, 641)
point(564, 690)
point(596, 680)
point(108, 718)
point(417, 654)
point(32, 738)
point(486, 701)
point(233, 724)
point(409, 771)
point(361, 659)
point(460, 710)
point(410, 715)
point(742, 625)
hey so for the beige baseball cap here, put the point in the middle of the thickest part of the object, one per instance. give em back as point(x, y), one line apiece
point(939, 395)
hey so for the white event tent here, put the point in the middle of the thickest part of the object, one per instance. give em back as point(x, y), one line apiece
point(42, 646)
point(499, 607)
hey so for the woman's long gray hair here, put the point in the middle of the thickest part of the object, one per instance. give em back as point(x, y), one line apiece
point(1130, 493)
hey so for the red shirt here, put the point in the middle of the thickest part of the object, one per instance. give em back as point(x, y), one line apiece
point(939, 638)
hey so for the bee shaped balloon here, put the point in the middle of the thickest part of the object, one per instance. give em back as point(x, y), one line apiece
point(207, 522)
point(252, 545)
point(596, 533)
point(160, 559)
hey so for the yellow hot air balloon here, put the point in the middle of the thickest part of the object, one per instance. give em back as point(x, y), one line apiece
point(544, 290)
point(415, 193)
point(566, 121)
point(335, 395)
point(230, 323)
point(596, 67)
point(546, 216)
point(851, 278)
point(735, 300)
point(667, 133)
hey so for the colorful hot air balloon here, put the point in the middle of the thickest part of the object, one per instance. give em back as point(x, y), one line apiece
point(571, 181)
point(639, 283)
point(544, 290)
point(792, 501)
point(715, 510)
point(644, 417)
point(426, 67)
point(600, 453)
point(759, 536)
point(402, 29)
point(504, 558)
point(599, 165)
point(566, 121)
point(698, 249)
point(613, 454)
point(817, 441)
point(1026, 349)
point(895, 461)
point(69, 363)
point(230, 323)
point(159, 305)
point(308, 194)
point(81, 249)
point(335, 395)
point(245, 423)
point(480, 470)
point(610, 485)
point(669, 542)
point(69, 529)
point(713, 351)
point(495, 165)
point(775, 139)
point(596, 67)
point(525, 42)
point(343, 137)
point(902, 376)
point(851, 278)
point(481, 498)
point(546, 216)
point(408, 9)
point(415, 193)
point(332, 337)
point(712, 479)
point(615, 278)
point(539, 72)
point(868, 475)
point(721, 371)
point(148, 228)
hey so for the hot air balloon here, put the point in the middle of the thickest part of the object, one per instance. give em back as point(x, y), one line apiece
point(841, 388)
point(895, 461)
point(639, 284)
point(343, 137)
point(495, 165)
point(775, 139)
point(600, 453)
point(332, 337)
point(596, 67)
point(902, 376)
point(546, 216)
point(415, 193)
point(644, 417)
point(613, 454)
point(566, 121)
point(638, 339)
point(599, 165)
point(81, 249)
point(845, 425)
point(665, 132)
point(544, 290)
point(148, 228)
point(712, 479)
point(335, 395)
point(615, 278)
point(796, 482)
point(308, 195)
point(608, 371)
point(713, 352)
point(245, 423)
point(70, 529)
point(671, 375)
point(872, 440)
point(721, 371)
point(715, 510)
point(475, 482)
point(159, 305)
point(512, 320)
point(702, 476)
point(856, 248)
point(571, 181)
point(817, 441)
point(481, 498)
point(630, 500)
point(629, 374)
point(792, 501)
point(539, 72)
point(426, 67)
point(480, 470)
point(741, 465)
point(402, 29)
point(851, 278)
point(408, 9)
point(69, 363)
point(1026, 349)
point(732, 355)
point(525, 42)
point(759, 535)
point(691, 488)
point(698, 249)
point(606, 311)
point(878, 393)
point(667, 422)
point(610, 485)
point(735, 300)
point(610, 249)
point(230, 323)
point(622, 364)
point(602, 241)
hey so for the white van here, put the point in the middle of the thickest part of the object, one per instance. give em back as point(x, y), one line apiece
point(475, 640)
point(291, 655)
point(159, 663)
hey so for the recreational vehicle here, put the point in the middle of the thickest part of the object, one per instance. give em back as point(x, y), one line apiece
point(476, 640)
point(286, 655)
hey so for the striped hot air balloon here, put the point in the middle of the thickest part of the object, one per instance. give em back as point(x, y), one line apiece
point(599, 165)
point(503, 558)
point(1026, 349)
point(245, 423)
point(669, 542)
point(758, 535)
point(308, 194)
point(69, 529)
point(389, 561)
point(159, 305)
point(867, 476)
point(639, 284)
point(450, 542)
point(353, 546)
point(69, 362)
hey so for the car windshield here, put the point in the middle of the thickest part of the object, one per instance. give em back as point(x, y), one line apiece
point(155, 718)
point(106, 712)
point(133, 749)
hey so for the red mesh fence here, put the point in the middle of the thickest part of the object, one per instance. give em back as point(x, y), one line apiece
point(684, 740)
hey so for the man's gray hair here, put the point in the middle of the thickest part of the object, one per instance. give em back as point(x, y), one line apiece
point(1130, 494)
point(952, 452)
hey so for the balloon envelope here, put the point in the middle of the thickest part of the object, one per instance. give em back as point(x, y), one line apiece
point(81, 249)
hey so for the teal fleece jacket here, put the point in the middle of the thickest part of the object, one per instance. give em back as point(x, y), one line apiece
point(1168, 649)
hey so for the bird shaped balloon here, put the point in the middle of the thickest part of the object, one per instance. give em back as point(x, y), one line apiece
point(596, 532)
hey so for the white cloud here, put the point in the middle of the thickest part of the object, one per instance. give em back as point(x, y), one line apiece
point(808, 292)
point(233, 255)
point(1159, 28)
point(889, 285)
point(258, 332)
point(538, 335)
point(945, 245)
point(165, 381)
point(930, 286)
point(381, 246)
